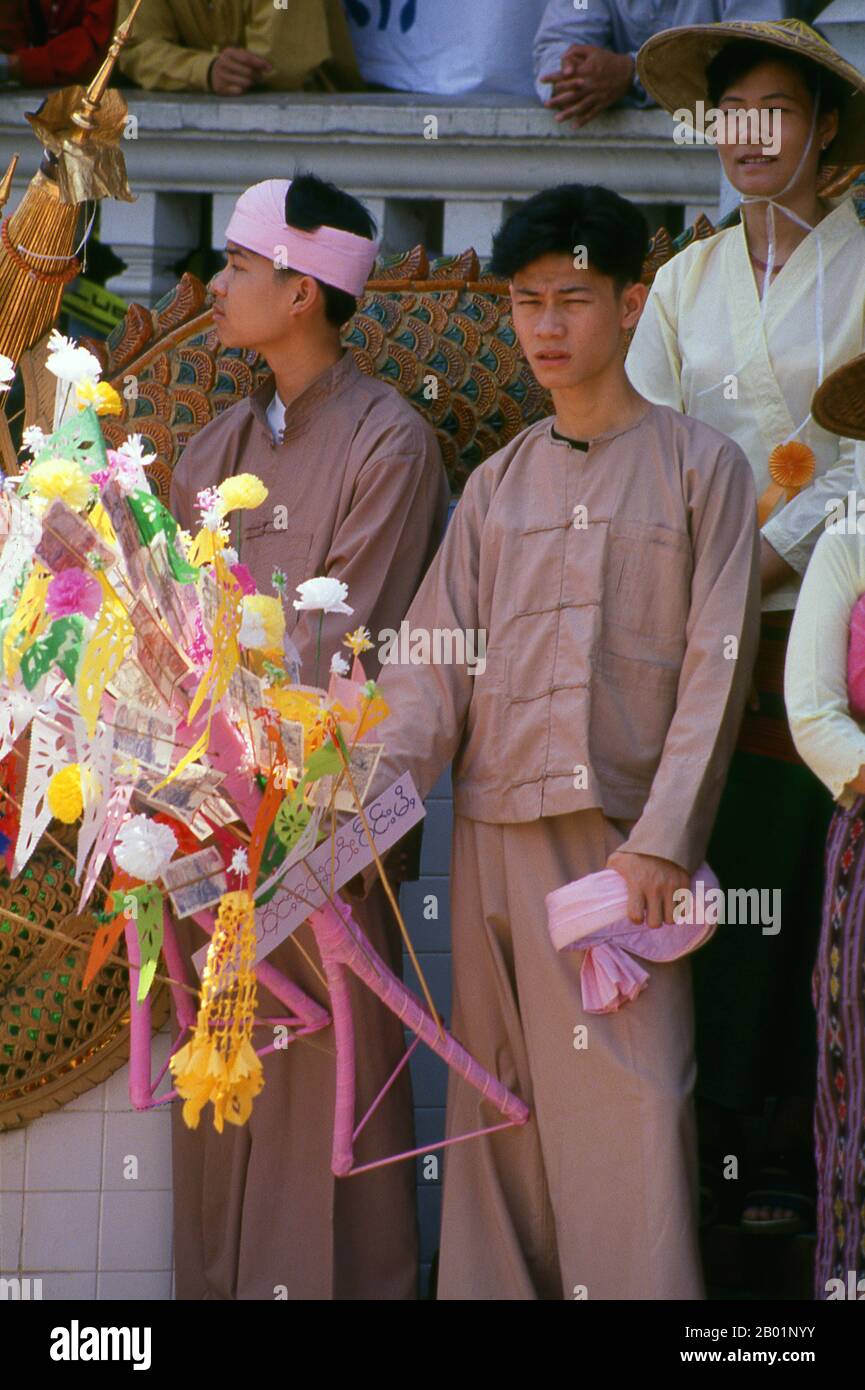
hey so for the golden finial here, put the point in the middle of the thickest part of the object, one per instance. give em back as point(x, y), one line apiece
point(6, 181)
point(84, 117)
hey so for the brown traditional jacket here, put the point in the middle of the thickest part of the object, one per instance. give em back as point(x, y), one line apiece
point(619, 592)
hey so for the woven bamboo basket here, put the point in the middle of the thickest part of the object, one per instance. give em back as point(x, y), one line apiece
point(839, 404)
point(57, 1040)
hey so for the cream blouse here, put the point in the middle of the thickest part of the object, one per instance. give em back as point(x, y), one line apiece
point(702, 347)
point(815, 684)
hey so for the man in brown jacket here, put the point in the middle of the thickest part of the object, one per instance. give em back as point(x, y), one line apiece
point(357, 491)
point(607, 558)
point(233, 45)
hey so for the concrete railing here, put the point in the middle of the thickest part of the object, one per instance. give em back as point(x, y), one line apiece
point(436, 170)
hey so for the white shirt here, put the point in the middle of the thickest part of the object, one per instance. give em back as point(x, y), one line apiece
point(815, 680)
point(445, 48)
point(275, 415)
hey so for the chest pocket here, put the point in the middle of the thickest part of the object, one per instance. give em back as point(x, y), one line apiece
point(289, 547)
point(648, 590)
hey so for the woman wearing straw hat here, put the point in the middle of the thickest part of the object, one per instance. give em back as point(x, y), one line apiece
point(738, 331)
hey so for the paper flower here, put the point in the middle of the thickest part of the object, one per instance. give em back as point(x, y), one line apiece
point(263, 623)
point(242, 575)
point(791, 465)
point(133, 449)
point(125, 470)
point(7, 372)
point(73, 591)
point(358, 641)
point(100, 395)
point(279, 580)
point(65, 797)
point(338, 665)
point(323, 595)
point(243, 490)
point(33, 439)
point(240, 863)
point(143, 848)
point(210, 507)
point(56, 477)
point(68, 361)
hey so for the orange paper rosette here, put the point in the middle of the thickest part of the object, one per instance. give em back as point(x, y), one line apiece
point(791, 467)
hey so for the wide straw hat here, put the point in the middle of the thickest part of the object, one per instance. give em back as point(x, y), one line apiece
point(839, 404)
point(672, 67)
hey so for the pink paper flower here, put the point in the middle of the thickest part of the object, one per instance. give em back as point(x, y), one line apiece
point(244, 578)
point(73, 591)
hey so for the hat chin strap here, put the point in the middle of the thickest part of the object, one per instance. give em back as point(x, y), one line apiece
point(771, 204)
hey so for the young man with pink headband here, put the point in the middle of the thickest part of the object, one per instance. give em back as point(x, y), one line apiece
point(357, 491)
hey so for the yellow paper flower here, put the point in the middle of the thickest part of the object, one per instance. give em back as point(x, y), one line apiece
point(203, 549)
point(263, 623)
point(101, 523)
point(243, 490)
point(65, 797)
point(56, 477)
point(358, 641)
point(100, 395)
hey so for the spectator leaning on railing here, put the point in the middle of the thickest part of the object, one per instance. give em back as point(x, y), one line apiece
point(446, 47)
point(230, 46)
point(584, 58)
point(49, 43)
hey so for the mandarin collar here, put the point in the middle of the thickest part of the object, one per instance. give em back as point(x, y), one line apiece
point(328, 384)
point(614, 433)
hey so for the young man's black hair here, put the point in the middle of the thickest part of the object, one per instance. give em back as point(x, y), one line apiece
point(572, 215)
point(740, 57)
point(311, 203)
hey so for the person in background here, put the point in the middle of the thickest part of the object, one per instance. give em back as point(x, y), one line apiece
point(445, 48)
point(585, 59)
point(831, 739)
point(50, 43)
point(236, 45)
point(737, 331)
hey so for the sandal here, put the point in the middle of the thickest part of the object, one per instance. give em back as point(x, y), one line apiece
point(782, 1184)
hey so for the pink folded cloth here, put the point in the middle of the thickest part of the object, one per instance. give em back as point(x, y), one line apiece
point(590, 915)
point(856, 661)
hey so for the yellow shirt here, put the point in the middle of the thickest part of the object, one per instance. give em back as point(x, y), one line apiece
point(701, 347)
point(174, 42)
point(815, 680)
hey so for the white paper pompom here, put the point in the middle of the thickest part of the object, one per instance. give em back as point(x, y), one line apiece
point(144, 847)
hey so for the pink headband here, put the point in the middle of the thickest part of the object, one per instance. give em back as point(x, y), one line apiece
point(338, 258)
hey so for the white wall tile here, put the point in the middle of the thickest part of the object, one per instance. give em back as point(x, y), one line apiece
point(68, 1286)
point(145, 1136)
point(117, 1090)
point(94, 1099)
point(135, 1231)
point(143, 1284)
point(64, 1152)
point(12, 1143)
point(11, 1212)
point(60, 1230)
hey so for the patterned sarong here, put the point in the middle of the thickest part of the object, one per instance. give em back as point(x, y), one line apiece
point(839, 998)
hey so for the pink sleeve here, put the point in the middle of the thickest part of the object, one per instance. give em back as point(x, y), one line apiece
point(856, 660)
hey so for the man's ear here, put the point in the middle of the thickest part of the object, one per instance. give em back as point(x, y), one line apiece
point(633, 299)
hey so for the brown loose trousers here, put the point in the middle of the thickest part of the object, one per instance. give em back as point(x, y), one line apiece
point(358, 492)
